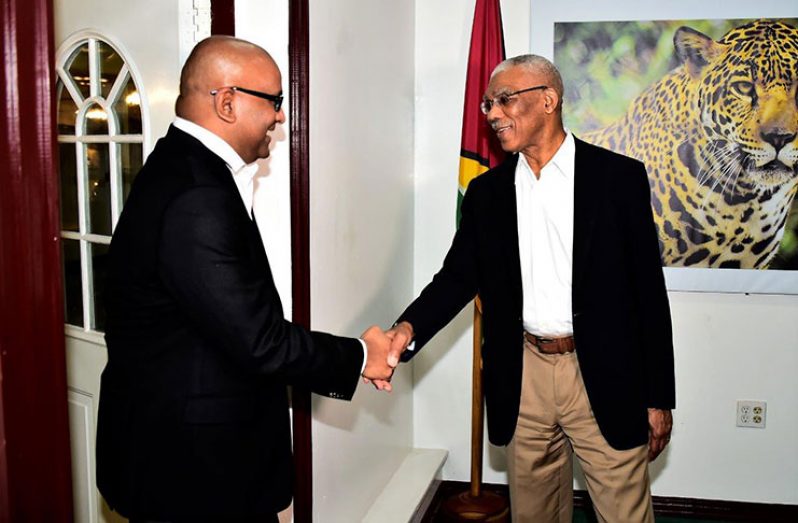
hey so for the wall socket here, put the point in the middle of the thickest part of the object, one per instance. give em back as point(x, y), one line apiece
point(751, 413)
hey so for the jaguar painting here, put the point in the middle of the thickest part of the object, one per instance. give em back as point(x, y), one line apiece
point(719, 137)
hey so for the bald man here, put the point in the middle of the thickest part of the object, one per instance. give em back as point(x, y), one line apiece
point(193, 421)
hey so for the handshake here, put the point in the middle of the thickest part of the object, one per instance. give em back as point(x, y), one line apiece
point(384, 349)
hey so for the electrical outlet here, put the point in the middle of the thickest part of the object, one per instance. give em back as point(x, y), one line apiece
point(751, 413)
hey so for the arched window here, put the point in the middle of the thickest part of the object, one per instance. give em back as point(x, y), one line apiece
point(100, 141)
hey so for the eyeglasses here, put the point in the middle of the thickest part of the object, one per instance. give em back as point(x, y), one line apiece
point(276, 99)
point(504, 99)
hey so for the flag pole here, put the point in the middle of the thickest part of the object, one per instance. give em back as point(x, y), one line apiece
point(478, 153)
point(477, 405)
point(476, 504)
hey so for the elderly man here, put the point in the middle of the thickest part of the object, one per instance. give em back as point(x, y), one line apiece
point(193, 422)
point(559, 242)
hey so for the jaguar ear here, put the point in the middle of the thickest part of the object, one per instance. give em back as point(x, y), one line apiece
point(695, 49)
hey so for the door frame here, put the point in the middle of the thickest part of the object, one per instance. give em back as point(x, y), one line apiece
point(34, 426)
point(299, 94)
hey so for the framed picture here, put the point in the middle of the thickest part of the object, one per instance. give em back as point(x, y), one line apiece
point(709, 106)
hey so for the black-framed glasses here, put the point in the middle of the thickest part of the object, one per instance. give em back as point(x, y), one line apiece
point(503, 99)
point(276, 99)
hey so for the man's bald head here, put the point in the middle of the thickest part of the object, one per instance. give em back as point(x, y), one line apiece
point(215, 62)
point(231, 87)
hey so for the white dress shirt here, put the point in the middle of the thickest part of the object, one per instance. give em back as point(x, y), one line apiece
point(545, 209)
point(243, 174)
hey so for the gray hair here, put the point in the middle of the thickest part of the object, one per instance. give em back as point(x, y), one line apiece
point(534, 64)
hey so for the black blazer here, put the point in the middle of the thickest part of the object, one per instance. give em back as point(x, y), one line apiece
point(193, 415)
point(621, 316)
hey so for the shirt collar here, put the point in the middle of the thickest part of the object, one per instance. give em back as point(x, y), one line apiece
point(563, 159)
point(213, 142)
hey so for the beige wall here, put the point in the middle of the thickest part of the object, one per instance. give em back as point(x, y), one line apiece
point(361, 233)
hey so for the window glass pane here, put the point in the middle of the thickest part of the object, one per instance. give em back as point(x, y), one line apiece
point(128, 109)
point(66, 110)
point(110, 65)
point(69, 187)
point(131, 156)
point(99, 256)
point(99, 188)
point(96, 120)
point(73, 293)
point(78, 67)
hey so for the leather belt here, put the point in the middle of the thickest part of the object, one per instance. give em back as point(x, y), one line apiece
point(562, 345)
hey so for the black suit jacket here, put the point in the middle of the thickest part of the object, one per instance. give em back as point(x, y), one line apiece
point(193, 415)
point(621, 316)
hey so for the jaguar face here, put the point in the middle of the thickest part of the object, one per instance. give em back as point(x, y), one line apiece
point(748, 107)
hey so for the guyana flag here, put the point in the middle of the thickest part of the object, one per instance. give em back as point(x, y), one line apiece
point(479, 149)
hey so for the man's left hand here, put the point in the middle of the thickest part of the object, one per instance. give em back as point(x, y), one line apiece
point(660, 423)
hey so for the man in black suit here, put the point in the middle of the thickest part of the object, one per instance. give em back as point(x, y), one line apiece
point(559, 242)
point(194, 420)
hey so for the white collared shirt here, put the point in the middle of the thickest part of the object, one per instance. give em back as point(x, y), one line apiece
point(243, 174)
point(545, 208)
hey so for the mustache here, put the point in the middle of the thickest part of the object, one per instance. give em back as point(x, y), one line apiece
point(495, 125)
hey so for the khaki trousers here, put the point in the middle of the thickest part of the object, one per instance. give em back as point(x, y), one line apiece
point(555, 421)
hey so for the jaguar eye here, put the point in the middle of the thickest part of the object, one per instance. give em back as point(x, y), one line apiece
point(743, 88)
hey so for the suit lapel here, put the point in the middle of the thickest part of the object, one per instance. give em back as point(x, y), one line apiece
point(586, 193)
point(211, 169)
point(507, 216)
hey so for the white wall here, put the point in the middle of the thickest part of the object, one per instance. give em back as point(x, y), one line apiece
point(266, 24)
point(361, 244)
point(727, 346)
point(730, 347)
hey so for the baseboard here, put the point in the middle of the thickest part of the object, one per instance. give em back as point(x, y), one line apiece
point(715, 509)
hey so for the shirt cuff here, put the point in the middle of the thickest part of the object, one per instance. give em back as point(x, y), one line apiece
point(365, 356)
point(410, 346)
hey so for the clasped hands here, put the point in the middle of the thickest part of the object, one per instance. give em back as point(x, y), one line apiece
point(384, 349)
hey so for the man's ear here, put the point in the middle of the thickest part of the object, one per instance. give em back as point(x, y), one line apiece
point(695, 49)
point(224, 105)
point(550, 100)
